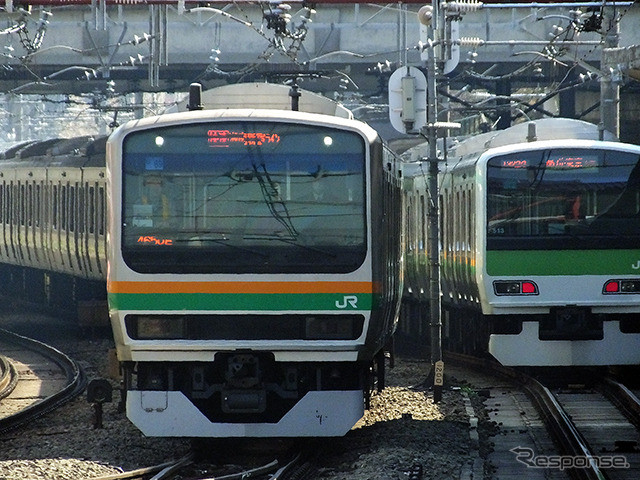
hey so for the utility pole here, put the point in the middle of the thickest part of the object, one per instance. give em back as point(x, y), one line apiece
point(440, 48)
point(610, 82)
point(438, 51)
point(429, 16)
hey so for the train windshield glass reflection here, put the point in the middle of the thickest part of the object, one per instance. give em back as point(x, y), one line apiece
point(244, 197)
point(539, 199)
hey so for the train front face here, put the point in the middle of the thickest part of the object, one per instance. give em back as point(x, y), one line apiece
point(240, 277)
point(562, 254)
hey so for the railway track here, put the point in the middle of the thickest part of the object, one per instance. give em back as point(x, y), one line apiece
point(35, 379)
point(186, 469)
point(593, 426)
point(609, 435)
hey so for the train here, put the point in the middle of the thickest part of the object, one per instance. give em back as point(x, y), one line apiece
point(539, 245)
point(53, 224)
point(251, 258)
point(254, 272)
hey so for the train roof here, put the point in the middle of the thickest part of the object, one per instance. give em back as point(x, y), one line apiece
point(85, 150)
point(245, 114)
point(265, 96)
point(523, 133)
point(526, 132)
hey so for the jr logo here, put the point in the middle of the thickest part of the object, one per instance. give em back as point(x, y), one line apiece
point(348, 300)
point(636, 266)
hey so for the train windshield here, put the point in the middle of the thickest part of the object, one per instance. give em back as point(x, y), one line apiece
point(563, 198)
point(243, 197)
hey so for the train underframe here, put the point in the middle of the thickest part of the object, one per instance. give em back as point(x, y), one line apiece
point(248, 394)
point(81, 300)
point(563, 337)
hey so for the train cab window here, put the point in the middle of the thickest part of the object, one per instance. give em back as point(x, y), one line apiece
point(588, 198)
point(249, 196)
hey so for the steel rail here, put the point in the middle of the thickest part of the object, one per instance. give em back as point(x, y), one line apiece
point(624, 399)
point(558, 422)
point(8, 378)
point(139, 472)
point(76, 382)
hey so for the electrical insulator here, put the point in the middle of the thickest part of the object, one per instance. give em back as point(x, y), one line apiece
point(425, 15)
point(471, 42)
point(463, 6)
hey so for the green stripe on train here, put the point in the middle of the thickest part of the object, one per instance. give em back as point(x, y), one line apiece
point(262, 302)
point(564, 262)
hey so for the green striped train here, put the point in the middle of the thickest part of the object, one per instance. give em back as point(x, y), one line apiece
point(251, 258)
point(254, 270)
point(540, 245)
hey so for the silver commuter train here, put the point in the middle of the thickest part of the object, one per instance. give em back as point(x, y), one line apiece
point(271, 320)
point(53, 222)
point(540, 245)
point(255, 270)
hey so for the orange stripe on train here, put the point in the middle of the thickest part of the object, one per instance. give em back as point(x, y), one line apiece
point(242, 287)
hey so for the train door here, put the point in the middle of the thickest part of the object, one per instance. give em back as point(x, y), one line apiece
point(91, 223)
point(74, 222)
point(58, 238)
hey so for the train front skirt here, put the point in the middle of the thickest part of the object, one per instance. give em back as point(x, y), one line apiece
point(616, 348)
point(317, 414)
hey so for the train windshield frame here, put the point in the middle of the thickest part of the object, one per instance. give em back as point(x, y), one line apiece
point(244, 197)
point(563, 198)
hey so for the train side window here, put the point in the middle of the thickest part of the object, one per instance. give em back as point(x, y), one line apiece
point(81, 208)
point(71, 216)
point(63, 208)
point(411, 223)
point(91, 214)
point(457, 222)
point(464, 223)
point(46, 204)
point(445, 205)
point(55, 208)
point(469, 220)
point(442, 220)
point(29, 213)
point(10, 205)
point(101, 211)
point(2, 204)
point(423, 224)
point(21, 204)
point(38, 205)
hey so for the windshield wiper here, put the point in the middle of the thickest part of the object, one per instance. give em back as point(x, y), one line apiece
point(292, 241)
point(224, 241)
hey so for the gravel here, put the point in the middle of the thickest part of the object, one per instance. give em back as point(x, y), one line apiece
point(402, 432)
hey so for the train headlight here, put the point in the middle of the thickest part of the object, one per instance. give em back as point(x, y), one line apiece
point(158, 327)
point(333, 327)
point(515, 287)
point(615, 287)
